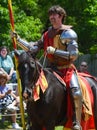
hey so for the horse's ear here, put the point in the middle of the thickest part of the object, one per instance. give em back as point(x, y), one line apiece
point(33, 55)
point(17, 53)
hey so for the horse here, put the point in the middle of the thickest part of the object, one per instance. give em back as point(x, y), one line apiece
point(49, 108)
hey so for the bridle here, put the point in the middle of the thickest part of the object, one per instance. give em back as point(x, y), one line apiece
point(37, 69)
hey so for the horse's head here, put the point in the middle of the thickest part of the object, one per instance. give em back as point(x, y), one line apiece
point(27, 70)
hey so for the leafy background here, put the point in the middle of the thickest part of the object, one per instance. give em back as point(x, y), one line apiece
point(31, 19)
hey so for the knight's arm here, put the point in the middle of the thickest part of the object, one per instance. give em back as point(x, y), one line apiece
point(68, 37)
point(70, 54)
point(30, 46)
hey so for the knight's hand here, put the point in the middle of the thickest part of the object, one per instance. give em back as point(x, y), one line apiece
point(14, 35)
point(50, 50)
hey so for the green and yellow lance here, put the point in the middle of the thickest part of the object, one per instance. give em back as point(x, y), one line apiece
point(16, 62)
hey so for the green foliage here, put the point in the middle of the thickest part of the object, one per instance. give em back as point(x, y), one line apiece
point(87, 27)
point(30, 29)
point(93, 49)
point(26, 26)
point(31, 18)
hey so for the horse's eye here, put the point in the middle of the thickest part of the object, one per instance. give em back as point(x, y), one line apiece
point(32, 64)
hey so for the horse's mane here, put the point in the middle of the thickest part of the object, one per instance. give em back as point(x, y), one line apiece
point(27, 57)
point(24, 57)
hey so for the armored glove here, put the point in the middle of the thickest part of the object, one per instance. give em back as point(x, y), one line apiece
point(50, 50)
point(14, 34)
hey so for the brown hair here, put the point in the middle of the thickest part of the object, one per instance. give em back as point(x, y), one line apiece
point(2, 75)
point(4, 47)
point(58, 10)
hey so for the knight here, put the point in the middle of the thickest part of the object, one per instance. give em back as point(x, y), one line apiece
point(59, 42)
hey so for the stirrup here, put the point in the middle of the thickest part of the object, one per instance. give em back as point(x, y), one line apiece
point(76, 126)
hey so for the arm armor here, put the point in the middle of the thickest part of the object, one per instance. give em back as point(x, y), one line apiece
point(71, 53)
point(30, 46)
point(27, 46)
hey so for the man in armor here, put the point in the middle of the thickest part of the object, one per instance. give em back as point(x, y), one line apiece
point(60, 43)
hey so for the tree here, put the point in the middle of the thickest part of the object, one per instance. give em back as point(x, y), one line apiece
point(31, 19)
point(82, 15)
point(26, 25)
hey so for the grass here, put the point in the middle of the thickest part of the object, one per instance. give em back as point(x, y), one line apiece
point(7, 125)
point(59, 128)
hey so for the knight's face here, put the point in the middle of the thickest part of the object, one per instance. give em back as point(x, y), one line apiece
point(55, 18)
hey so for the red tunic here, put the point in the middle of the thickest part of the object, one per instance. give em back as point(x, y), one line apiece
point(67, 70)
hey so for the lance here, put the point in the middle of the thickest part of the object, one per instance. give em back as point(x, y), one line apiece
point(16, 63)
